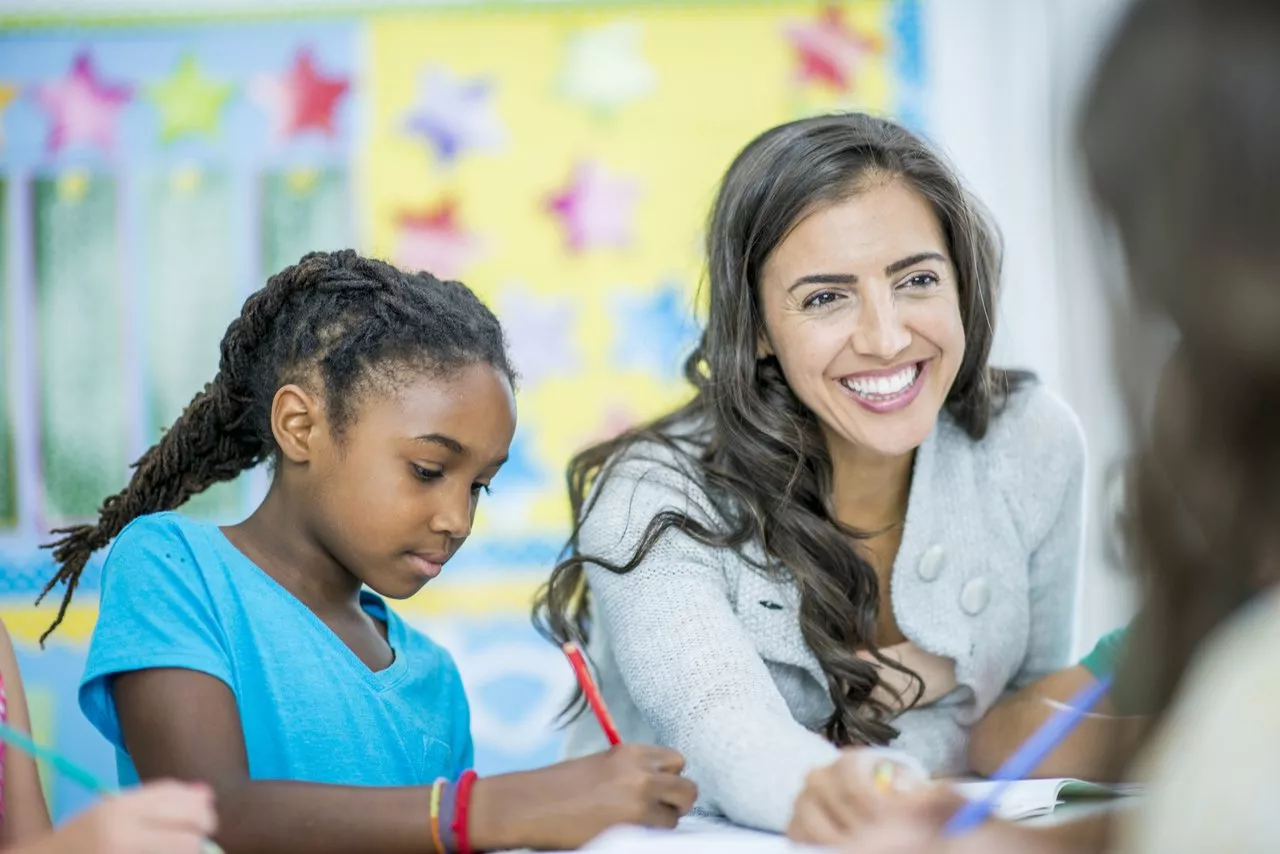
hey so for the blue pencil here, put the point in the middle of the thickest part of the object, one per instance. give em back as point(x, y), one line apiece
point(1028, 756)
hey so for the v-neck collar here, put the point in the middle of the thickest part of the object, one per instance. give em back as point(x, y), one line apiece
point(370, 602)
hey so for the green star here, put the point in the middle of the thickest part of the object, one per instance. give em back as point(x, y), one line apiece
point(189, 102)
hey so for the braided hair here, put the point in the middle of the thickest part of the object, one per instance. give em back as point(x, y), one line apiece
point(336, 319)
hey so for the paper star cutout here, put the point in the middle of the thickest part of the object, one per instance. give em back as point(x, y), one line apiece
point(657, 331)
point(522, 470)
point(455, 114)
point(829, 52)
point(539, 333)
point(81, 107)
point(301, 99)
point(433, 240)
point(596, 209)
point(190, 104)
point(604, 68)
point(7, 95)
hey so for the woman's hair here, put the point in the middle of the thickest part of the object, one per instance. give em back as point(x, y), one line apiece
point(765, 465)
point(1180, 133)
point(336, 322)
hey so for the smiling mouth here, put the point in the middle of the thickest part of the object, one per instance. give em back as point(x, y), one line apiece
point(887, 388)
point(887, 392)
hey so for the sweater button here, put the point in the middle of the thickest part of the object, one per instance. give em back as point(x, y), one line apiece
point(975, 596)
point(930, 566)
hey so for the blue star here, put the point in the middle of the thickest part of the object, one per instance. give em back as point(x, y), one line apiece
point(656, 331)
point(522, 471)
point(540, 333)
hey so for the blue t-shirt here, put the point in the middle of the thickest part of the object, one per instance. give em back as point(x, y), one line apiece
point(176, 593)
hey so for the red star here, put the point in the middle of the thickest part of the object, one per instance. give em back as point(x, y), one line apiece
point(302, 99)
point(442, 217)
point(434, 240)
point(829, 51)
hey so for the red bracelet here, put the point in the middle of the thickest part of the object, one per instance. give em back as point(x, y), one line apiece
point(461, 808)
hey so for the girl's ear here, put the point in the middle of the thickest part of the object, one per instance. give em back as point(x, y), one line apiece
point(295, 419)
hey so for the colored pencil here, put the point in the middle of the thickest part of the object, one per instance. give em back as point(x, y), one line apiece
point(592, 693)
point(72, 771)
point(1027, 757)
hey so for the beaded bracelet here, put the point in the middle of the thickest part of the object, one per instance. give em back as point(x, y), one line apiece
point(461, 812)
point(448, 800)
point(436, 791)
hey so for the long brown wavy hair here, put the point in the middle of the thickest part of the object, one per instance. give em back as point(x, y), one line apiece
point(764, 464)
point(1180, 133)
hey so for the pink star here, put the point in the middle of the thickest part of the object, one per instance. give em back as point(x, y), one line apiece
point(81, 107)
point(617, 420)
point(596, 209)
point(829, 51)
point(433, 240)
point(301, 99)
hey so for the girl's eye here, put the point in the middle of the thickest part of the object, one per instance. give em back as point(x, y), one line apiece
point(476, 489)
point(426, 474)
point(820, 299)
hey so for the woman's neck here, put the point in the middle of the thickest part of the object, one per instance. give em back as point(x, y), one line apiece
point(282, 545)
point(869, 492)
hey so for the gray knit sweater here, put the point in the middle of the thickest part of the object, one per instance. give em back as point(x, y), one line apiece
point(697, 650)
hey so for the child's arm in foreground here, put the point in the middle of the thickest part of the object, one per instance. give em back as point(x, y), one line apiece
point(186, 724)
point(26, 815)
point(159, 818)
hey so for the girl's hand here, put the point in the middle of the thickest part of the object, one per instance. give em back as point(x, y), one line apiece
point(856, 791)
point(568, 804)
point(159, 818)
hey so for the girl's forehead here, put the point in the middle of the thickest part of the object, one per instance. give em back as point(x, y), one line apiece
point(475, 400)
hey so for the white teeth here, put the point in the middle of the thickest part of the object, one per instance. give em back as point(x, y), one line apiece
point(884, 386)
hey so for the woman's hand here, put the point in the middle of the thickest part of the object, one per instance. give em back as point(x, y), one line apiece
point(896, 690)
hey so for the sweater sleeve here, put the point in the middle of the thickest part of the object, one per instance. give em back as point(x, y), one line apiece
point(687, 662)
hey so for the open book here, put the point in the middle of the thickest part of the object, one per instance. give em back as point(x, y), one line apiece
point(703, 835)
point(1031, 798)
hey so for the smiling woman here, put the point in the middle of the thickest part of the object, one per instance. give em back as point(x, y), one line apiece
point(857, 532)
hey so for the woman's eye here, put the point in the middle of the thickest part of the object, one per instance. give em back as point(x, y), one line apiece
point(820, 299)
point(920, 281)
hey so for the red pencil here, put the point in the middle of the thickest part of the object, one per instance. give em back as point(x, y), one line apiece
point(592, 692)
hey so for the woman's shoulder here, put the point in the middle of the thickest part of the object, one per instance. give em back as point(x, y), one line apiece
point(1032, 456)
point(1033, 422)
point(653, 473)
point(671, 457)
point(1032, 432)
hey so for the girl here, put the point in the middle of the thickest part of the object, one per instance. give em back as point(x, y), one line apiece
point(161, 818)
point(858, 532)
point(261, 658)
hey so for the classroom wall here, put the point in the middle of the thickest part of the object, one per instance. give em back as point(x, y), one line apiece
point(630, 110)
point(561, 161)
